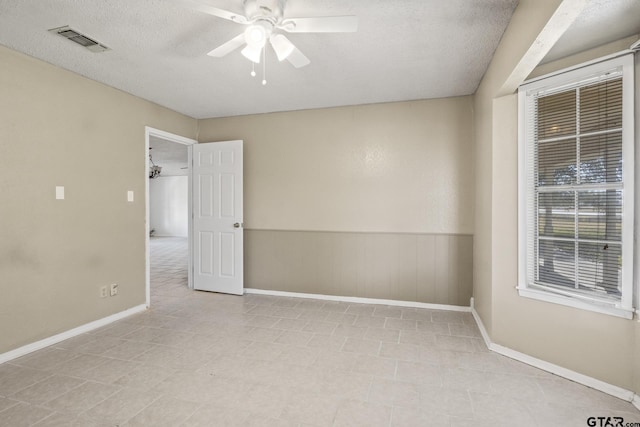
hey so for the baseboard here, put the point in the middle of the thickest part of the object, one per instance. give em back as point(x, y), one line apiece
point(359, 300)
point(565, 373)
point(636, 402)
point(574, 376)
point(483, 330)
point(38, 345)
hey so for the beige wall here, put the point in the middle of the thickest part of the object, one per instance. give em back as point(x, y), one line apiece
point(426, 268)
point(528, 21)
point(392, 168)
point(58, 128)
point(352, 201)
point(382, 183)
point(593, 344)
point(397, 167)
point(575, 339)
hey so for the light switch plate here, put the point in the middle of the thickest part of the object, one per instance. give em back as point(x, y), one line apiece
point(59, 192)
point(130, 196)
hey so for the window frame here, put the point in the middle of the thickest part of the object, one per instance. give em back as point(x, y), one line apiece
point(574, 77)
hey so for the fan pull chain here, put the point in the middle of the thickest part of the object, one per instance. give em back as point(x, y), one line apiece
point(253, 69)
point(264, 66)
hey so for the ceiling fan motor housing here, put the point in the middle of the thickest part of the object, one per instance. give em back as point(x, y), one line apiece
point(261, 9)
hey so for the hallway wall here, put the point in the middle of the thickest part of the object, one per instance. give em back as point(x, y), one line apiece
point(168, 206)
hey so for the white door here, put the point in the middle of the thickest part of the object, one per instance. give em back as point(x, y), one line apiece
point(217, 217)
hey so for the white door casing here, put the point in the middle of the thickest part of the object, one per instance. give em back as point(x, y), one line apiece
point(152, 132)
point(217, 217)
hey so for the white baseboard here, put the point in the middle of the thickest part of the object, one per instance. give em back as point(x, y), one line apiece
point(574, 376)
point(38, 345)
point(411, 304)
point(483, 330)
point(636, 401)
point(565, 373)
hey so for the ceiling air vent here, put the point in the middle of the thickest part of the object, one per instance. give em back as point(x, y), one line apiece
point(79, 38)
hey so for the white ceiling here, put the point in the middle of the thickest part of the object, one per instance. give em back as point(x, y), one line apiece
point(172, 157)
point(403, 50)
point(601, 22)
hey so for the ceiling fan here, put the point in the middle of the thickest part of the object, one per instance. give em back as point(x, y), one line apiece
point(265, 21)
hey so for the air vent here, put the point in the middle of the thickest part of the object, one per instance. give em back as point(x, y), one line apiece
point(79, 38)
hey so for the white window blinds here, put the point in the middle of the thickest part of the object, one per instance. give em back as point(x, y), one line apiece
point(576, 237)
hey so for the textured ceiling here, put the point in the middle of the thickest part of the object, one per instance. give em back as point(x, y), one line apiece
point(403, 50)
point(171, 156)
point(600, 22)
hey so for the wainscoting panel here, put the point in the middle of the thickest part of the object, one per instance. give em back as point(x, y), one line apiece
point(430, 268)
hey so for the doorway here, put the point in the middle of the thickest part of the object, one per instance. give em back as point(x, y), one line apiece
point(168, 207)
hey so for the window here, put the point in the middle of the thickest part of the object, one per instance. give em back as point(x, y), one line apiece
point(576, 177)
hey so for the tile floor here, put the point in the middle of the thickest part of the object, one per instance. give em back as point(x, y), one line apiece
point(203, 359)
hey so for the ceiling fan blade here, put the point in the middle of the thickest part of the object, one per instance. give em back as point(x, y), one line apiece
point(228, 47)
point(282, 46)
point(220, 13)
point(327, 24)
point(297, 58)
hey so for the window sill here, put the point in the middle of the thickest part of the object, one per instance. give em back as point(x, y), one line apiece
point(547, 296)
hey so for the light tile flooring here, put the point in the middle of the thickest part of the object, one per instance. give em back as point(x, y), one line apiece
point(203, 359)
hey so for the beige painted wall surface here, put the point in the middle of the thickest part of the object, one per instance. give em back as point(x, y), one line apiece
point(528, 20)
point(57, 128)
point(482, 291)
point(397, 167)
point(593, 344)
point(575, 339)
point(594, 332)
point(399, 266)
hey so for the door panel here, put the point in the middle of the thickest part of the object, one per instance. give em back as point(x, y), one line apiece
point(217, 219)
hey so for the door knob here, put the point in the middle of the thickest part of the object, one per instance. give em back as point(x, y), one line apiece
point(236, 225)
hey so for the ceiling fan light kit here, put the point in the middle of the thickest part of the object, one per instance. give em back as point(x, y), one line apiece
point(256, 35)
point(265, 20)
point(252, 53)
point(282, 46)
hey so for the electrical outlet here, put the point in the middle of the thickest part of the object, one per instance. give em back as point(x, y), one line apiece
point(114, 289)
point(103, 291)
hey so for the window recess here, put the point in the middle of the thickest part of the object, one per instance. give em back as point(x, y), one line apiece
point(576, 174)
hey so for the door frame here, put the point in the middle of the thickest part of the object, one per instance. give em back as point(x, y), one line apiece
point(148, 132)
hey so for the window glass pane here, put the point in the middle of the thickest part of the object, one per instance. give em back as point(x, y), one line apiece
point(601, 106)
point(556, 263)
point(557, 115)
point(601, 158)
point(600, 267)
point(600, 215)
point(556, 214)
point(557, 162)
